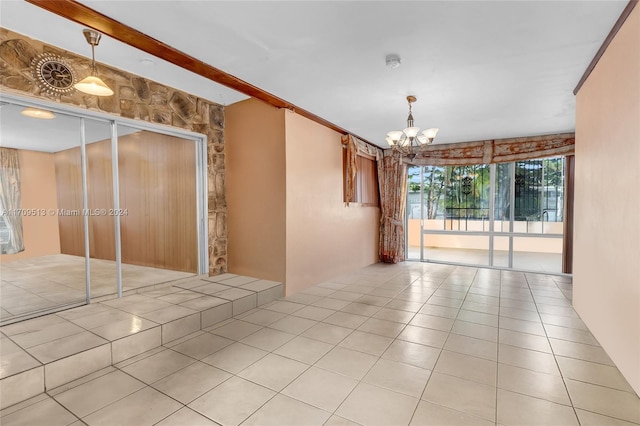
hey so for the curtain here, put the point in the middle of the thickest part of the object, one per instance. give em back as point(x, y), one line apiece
point(392, 177)
point(496, 151)
point(351, 167)
point(10, 199)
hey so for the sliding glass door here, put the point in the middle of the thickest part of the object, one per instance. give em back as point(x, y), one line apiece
point(499, 215)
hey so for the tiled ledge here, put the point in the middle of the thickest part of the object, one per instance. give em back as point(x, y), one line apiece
point(49, 351)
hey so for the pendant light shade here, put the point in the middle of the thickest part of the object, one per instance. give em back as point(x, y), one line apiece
point(93, 85)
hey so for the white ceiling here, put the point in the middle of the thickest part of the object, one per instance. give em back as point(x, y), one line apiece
point(62, 132)
point(480, 69)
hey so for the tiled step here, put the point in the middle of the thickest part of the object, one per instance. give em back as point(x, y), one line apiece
point(49, 351)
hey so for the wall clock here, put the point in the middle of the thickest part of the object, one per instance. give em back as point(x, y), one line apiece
point(53, 74)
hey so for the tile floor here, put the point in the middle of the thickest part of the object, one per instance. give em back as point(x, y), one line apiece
point(43, 353)
point(45, 282)
point(413, 343)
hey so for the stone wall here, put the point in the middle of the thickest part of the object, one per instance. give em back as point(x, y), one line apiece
point(137, 98)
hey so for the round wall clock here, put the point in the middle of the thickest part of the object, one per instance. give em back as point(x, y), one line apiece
point(53, 74)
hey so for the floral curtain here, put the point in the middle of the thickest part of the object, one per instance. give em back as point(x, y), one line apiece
point(392, 178)
point(10, 200)
point(351, 167)
point(496, 151)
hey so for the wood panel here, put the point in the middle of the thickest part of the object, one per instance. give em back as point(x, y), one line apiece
point(69, 190)
point(157, 197)
point(102, 237)
point(158, 190)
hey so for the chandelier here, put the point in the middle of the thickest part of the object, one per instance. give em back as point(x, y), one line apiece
point(410, 141)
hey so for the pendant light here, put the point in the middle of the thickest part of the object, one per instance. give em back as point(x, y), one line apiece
point(92, 84)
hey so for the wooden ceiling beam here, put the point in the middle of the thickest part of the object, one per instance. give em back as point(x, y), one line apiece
point(84, 15)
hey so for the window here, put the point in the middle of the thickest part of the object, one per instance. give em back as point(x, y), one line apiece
point(508, 215)
point(366, 191)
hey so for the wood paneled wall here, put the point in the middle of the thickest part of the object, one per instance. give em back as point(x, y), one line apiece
point(102, 228)
point(157, 197)
point(158, 188)
point(69, 192)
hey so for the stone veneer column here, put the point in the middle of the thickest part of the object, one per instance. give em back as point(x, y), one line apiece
point(137, 98)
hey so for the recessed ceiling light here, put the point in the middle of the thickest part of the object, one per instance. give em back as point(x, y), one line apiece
point(38, 113)
point(147, 62)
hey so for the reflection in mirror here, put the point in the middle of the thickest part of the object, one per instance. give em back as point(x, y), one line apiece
point(135, 203)
point(157, 207)
point(99, 193)
point(38, 272)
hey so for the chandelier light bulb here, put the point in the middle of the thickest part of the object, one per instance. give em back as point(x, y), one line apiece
point(411, 132)
point(395, 135)
point(431, 133)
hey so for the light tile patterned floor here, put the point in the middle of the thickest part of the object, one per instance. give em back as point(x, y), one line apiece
point(413, 343)
point(46, 282)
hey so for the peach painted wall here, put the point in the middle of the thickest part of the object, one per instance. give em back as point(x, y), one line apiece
point(38, 189)
point(286, 218)
point(255, 164)
point(606, 277)
point(324, 237)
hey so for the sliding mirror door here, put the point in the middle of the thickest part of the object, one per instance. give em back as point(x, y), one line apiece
point(157, 211)
point(93, 207)
point(42, 232)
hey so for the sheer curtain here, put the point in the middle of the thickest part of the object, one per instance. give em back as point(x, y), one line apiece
point(10, 200)
point(392, 177)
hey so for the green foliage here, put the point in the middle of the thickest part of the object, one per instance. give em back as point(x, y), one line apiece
point(464, 191)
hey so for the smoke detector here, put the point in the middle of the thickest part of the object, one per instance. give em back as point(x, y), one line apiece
point(393, 61)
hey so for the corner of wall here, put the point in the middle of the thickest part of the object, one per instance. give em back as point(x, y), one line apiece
point(256, 197)
point(325, 238)
point(606, 280)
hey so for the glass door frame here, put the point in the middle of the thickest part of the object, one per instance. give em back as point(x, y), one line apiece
point(491, 234)
point(200, 159)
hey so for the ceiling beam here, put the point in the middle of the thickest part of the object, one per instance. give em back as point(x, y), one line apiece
point(616, 27)
point(78, 12)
